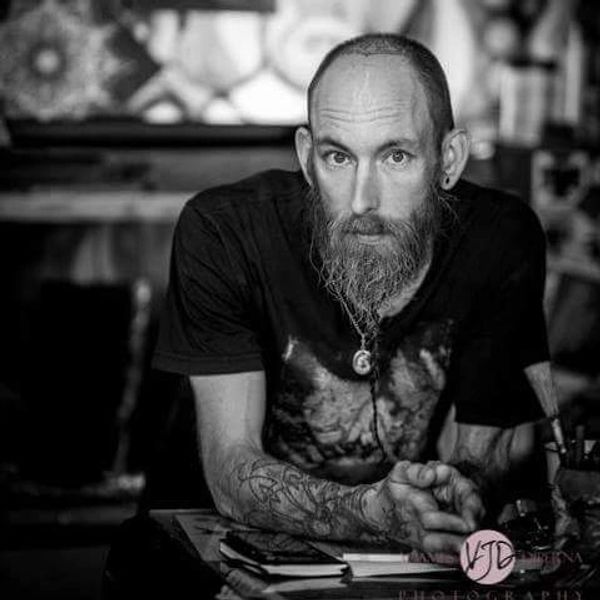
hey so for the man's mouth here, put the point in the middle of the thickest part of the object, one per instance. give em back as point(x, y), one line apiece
point(370, 238)
point(366, 227)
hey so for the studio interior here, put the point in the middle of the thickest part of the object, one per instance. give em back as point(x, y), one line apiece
point(113, 113)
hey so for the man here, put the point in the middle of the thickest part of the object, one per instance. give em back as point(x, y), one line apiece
point(329, 319)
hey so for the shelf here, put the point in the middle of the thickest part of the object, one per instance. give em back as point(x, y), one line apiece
point(97, 206)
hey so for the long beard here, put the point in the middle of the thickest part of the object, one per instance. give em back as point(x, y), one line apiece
point(368, 276)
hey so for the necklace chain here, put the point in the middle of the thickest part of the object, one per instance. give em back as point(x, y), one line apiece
point(361, 333)
point(363, 364)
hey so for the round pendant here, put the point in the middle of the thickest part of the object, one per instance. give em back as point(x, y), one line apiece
point(361, 362)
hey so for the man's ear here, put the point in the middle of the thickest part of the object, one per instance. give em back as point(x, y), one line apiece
point(455, 154)
point(304, 144)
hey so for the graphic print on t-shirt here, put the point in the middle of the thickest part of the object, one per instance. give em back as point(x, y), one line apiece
point(322, 422)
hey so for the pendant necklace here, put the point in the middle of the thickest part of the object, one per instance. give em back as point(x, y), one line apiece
point(363, 359)
point(363, 363)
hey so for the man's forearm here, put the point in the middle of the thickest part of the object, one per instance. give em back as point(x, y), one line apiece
point(483, 454)
point(259, 490)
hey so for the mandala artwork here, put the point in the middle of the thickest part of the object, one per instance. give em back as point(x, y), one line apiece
point(54, 61)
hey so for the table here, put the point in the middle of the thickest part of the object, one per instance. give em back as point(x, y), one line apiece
point(152, 556)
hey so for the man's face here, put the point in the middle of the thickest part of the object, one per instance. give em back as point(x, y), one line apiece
point(373, 169)
point(373, 152)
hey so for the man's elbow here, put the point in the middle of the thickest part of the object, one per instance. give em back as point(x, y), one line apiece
point(226, 507)
point(219, 485)
point(223, 478)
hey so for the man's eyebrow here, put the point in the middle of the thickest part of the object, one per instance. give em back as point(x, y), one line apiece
point(329, 141)
point(410, 143)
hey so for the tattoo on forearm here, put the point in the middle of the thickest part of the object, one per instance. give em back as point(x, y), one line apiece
point(268, 493)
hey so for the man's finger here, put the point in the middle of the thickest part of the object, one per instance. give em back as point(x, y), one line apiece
point(443, 521)
point(467, 501)
point(406, 495)
point(472, 510)
point(443, 472)
point(415, 474)
point(423, 502)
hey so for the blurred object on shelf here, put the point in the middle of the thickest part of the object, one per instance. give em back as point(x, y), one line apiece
point(525, 101)
point(566, 196)
point(583, 243)
point(565, 192)
point(589, 212)
point(452, 36)
point(547, 37)
point(574, 324)
point(568, 84)
point(550, 75)
point(502, 38)
point(558, 179)
point(588, 18)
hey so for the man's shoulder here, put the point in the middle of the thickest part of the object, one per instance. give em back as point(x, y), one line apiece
point(264, 188)
point(504, 213)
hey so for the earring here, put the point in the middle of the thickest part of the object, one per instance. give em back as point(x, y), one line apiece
point(447, 180)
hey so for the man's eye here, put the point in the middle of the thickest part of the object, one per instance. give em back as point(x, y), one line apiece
point(336, 158)
point(397, 157)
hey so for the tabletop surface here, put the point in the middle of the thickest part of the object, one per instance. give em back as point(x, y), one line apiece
point(152, 554)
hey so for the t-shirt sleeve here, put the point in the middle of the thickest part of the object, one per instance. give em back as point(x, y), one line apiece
point(206, 325)
point(508, 332)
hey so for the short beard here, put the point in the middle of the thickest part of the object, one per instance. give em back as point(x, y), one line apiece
point(367, 276)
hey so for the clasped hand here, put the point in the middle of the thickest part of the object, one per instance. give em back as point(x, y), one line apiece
point(432, 506)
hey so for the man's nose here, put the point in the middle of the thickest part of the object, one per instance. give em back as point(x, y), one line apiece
point(365, 197)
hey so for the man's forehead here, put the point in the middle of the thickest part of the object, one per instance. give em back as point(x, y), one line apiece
point(375, 89)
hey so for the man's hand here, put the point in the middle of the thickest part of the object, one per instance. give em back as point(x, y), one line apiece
point(457, 493)
point(432, 507)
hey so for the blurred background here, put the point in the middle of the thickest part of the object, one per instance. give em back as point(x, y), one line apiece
point(114, 112)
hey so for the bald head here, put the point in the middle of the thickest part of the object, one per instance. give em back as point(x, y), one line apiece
point(358, 90)
point(381, 58)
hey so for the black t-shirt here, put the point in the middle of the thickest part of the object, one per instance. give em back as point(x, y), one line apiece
point(243, 295)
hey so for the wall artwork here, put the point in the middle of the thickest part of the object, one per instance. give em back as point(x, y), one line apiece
point(230, 62)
